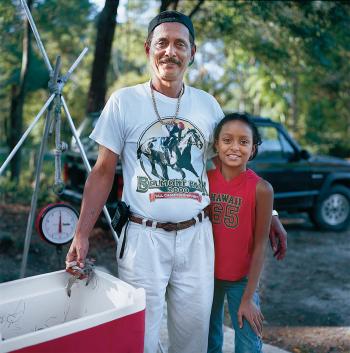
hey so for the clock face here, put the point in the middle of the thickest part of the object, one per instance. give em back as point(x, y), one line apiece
point(57, 223)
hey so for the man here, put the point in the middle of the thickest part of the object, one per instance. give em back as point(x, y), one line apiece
point(168, 243)
point(172, 141)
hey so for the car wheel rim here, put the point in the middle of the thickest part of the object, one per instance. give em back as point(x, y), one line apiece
point(335, 209)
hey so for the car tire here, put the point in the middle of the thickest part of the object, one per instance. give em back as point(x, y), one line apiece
point(332, 211)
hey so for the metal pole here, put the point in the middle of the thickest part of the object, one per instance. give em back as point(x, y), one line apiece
point(33, 204)
point(86, 163)
point(55, 88)
point(76, 136)
point(58, 185)
point(30, 222)
point(75, 64)
point(20, 142)
point(37, 36)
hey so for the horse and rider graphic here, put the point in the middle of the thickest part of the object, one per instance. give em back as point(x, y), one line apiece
point(173, 151)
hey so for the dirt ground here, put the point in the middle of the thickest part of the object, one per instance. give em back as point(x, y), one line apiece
point(305, 298)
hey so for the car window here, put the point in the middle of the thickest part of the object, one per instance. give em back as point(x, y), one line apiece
point(274, 144)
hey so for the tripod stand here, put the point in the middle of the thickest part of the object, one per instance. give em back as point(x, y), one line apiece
point(53, 105)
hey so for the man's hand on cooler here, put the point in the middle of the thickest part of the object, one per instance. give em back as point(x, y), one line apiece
point(278, 238)
point(78, 273)
point(77, 252)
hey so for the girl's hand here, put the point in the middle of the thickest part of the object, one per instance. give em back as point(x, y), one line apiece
point(252, 314)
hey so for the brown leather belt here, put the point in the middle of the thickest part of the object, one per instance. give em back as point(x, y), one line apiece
point(169, 227)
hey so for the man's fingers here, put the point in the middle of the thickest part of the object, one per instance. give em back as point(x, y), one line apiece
point(281, 251)
point(71, 258)
point(70, 264)
point(81, 252)
point(281, 248)
point(77, 253)
point(273, 241)
point(81, 260)
point(75, 256)
point(280, 254)
point(283, 240)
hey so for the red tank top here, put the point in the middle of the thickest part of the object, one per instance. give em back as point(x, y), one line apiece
point(233, 219)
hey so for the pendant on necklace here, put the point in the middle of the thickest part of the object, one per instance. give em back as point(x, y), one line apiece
point(172, 122)
point(168, 123)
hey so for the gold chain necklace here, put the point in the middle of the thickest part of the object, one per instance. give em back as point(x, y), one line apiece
point(172, 122)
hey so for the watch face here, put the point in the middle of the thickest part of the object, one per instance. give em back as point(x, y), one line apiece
point(57, 223)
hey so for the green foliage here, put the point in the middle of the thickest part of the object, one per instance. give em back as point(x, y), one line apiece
point(287, 60)
point(65, 28)
point(10, 29)
point(129, 62)
point(21, 192)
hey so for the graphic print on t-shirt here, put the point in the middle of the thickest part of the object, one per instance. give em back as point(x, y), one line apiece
point(225, 209)
point(172, 159)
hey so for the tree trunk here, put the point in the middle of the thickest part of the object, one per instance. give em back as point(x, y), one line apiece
point(105, 32)
point(196, 8)
point(172, 5)
point(17, 102)
point(165, 5)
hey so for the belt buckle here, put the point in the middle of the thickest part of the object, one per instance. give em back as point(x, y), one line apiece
point(169, 227)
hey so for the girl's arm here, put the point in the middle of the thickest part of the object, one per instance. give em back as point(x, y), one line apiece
point(263, 211)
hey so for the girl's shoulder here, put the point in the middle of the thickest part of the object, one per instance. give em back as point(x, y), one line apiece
point(250, 174)
point(264, 188)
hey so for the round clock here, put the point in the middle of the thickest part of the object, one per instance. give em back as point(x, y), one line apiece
point(56, 223)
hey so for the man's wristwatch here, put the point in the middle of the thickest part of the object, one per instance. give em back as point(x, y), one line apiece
point(274, 213)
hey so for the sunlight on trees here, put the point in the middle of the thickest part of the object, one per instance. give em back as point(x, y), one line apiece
point(285, 60)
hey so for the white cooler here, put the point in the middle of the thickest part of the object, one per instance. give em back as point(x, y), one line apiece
point(37, 316)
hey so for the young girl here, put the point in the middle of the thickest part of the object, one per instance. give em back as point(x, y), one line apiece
point(241, 205)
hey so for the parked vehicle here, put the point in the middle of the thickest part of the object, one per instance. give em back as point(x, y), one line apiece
point(318, 185)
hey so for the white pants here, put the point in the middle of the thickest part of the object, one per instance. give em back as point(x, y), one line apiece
point(177, 267)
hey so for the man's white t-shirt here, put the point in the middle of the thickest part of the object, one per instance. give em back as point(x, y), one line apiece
point(164, 166)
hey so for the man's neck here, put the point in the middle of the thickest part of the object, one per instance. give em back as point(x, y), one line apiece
point(168, 88)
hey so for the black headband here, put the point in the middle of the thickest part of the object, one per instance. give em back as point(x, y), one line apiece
point(171, 16)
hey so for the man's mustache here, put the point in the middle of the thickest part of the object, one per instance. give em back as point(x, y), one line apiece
point(170, 61)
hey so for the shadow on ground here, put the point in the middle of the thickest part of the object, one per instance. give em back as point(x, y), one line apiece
point(305, 298)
